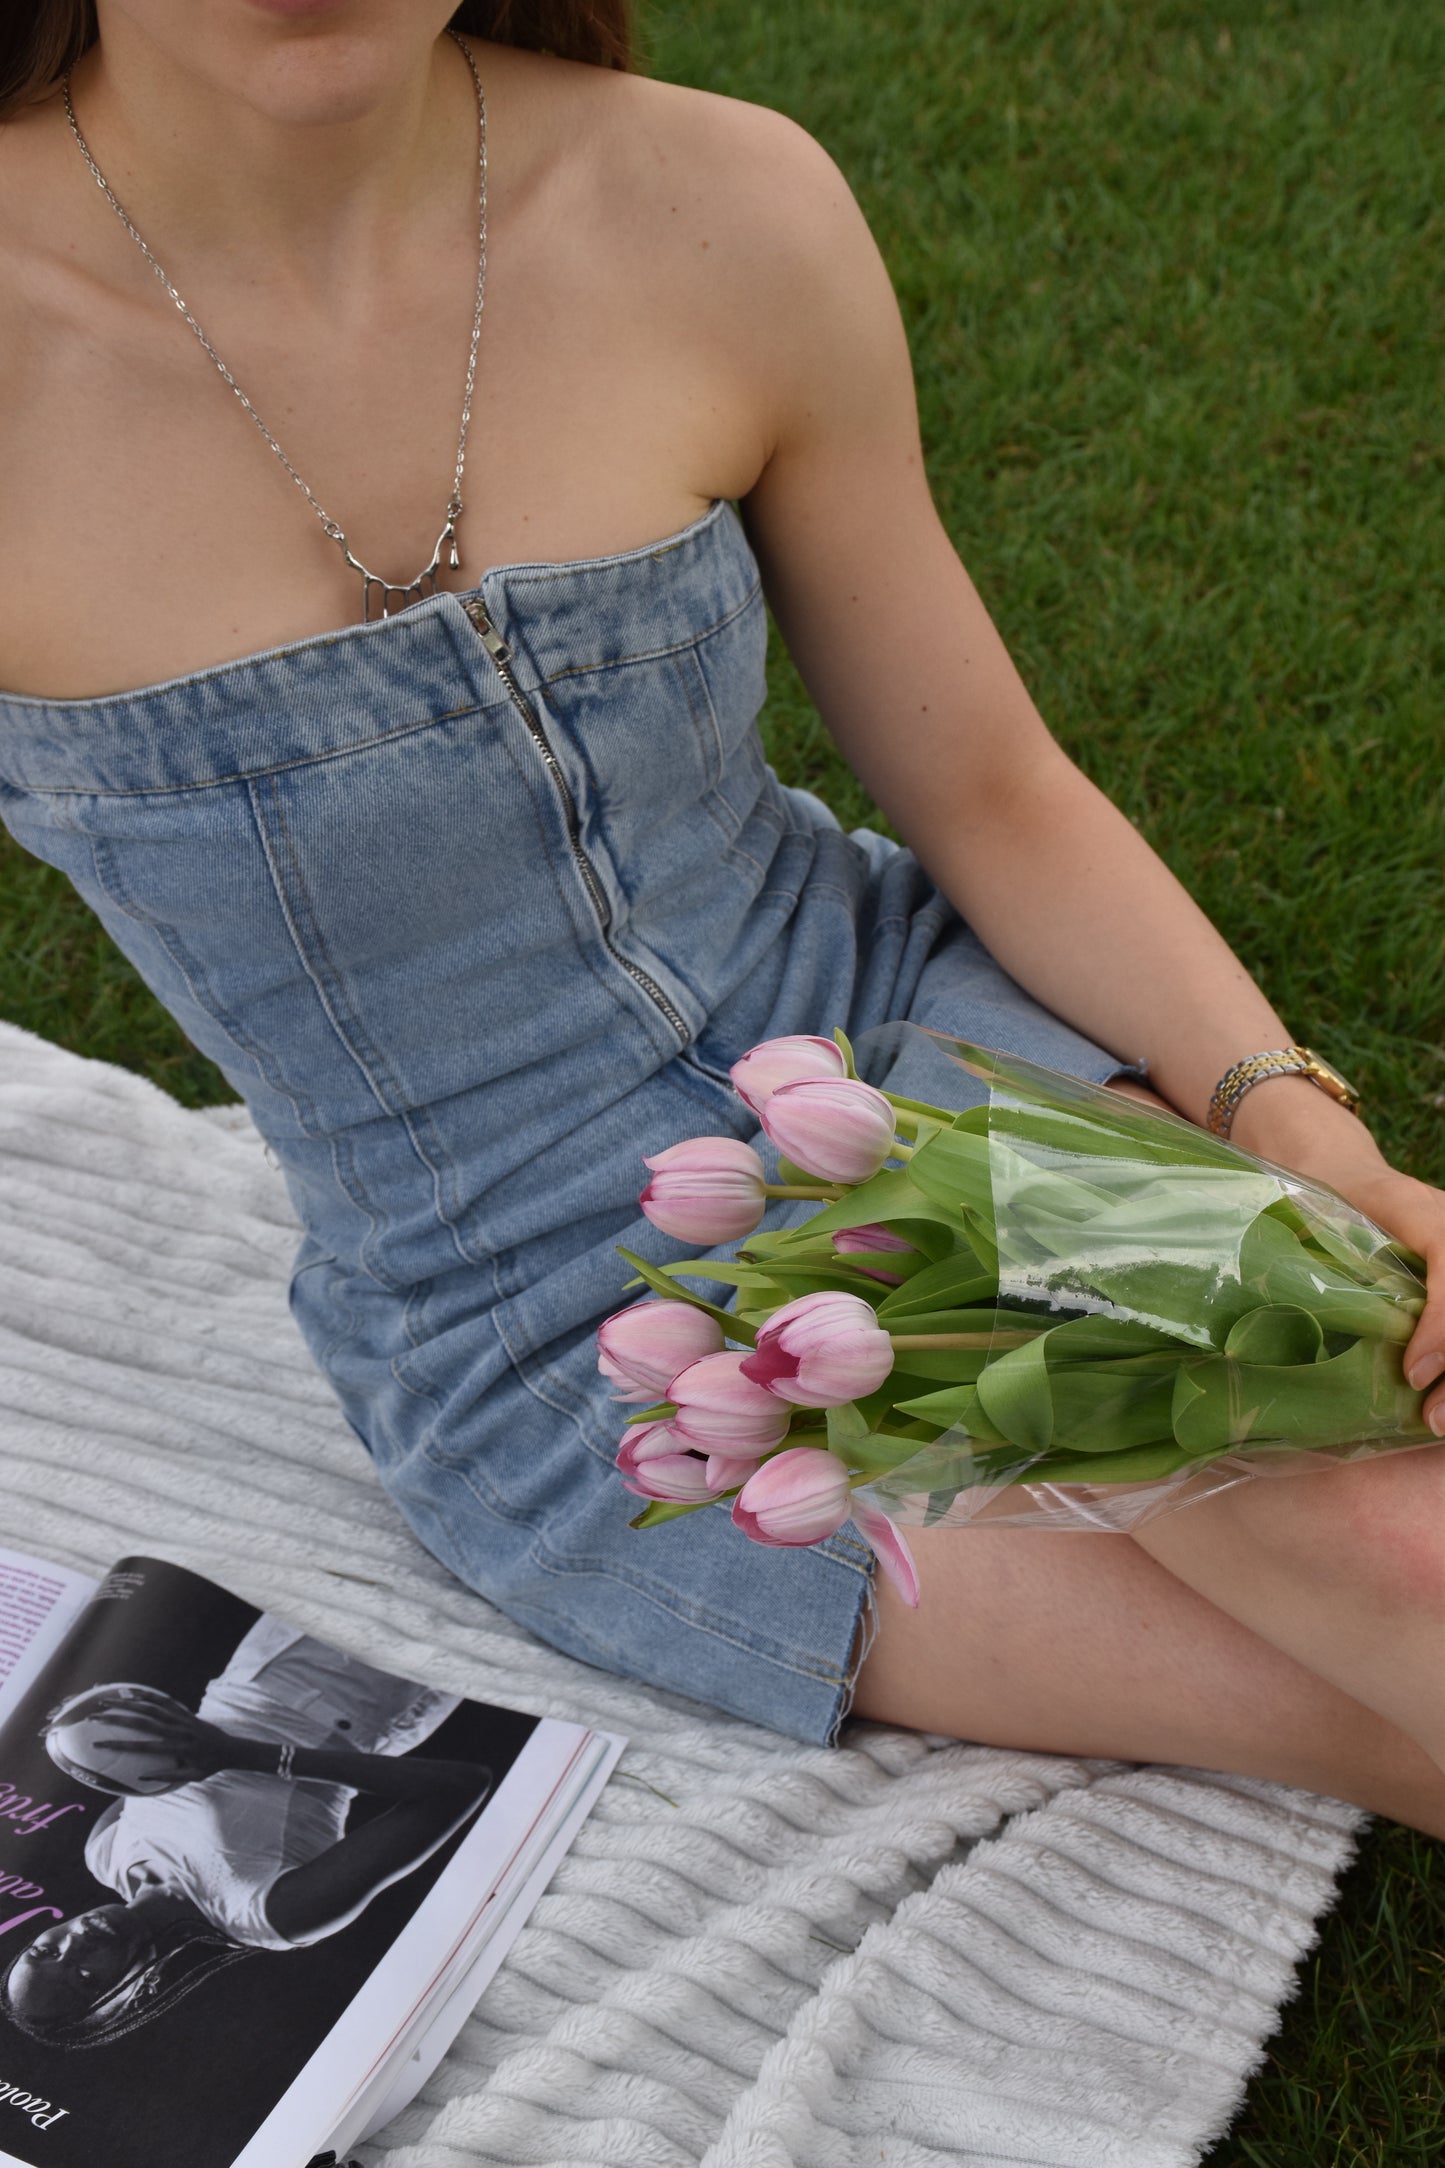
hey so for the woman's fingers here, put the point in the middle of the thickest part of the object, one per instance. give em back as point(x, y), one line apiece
point(1414, 1213)
point(125, 1744)
point(151, 1723)
point(1425, 1356)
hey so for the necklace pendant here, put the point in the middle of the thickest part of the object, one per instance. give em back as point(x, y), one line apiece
point(395, 596)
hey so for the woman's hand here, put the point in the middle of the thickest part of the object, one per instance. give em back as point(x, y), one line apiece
point(1291, 1122)
point(161, 1749)
point(1414, 1213)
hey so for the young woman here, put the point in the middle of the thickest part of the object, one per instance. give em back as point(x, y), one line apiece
point(225, 1837)
point(476, 900)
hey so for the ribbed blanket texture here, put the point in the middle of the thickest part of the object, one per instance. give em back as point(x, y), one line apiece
point(903, 1951)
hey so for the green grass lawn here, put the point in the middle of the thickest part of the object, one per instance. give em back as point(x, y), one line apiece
point(1172, 279)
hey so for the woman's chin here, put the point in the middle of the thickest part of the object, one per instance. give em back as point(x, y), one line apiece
point(300, 63)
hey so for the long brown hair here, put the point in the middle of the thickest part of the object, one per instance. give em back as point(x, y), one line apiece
point(38, 43)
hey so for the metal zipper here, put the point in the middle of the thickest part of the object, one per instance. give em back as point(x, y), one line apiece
point(501, 655)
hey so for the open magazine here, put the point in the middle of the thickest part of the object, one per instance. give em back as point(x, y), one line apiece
point(250, 1887)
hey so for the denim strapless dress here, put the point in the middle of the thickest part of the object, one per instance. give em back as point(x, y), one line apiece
point(474, 906)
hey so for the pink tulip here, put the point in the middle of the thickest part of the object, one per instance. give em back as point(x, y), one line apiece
point(802, 1496)
point(821, 1350)
point(888, 1542)
point(836, 1127)
point(721, 1411)
point(642, 1349)
point(725, 1474)
point(799, 1496)
point(709, 1189)
point(850, 1241)
point(655, 1463)
point(648, 1441)
point(783, 1061)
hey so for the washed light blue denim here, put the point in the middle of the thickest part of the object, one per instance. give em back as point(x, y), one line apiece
point(472, 928)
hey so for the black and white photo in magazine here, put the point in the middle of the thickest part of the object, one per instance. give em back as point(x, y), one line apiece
point(229, 1823)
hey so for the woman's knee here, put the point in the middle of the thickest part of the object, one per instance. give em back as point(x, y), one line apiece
point(1377, 1523)
point(1063, 1643)
point(1373, 1529)
point(1086, 1645)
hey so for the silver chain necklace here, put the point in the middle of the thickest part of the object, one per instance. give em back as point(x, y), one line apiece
point(386, 591)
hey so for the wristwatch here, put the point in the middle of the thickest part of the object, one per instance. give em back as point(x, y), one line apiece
point(1284, 1061)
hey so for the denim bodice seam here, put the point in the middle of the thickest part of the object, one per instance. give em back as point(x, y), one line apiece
point(653, 654)
point(278, 767)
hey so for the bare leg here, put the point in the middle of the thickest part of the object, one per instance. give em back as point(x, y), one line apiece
point(1084, 1644)
point(1343, 1570)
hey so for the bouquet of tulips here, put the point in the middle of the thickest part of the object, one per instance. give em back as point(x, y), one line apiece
point(1061, 1308)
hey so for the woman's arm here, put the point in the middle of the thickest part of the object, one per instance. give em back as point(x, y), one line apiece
point(426, 1801)
point(429, 1800)
point(918, 690)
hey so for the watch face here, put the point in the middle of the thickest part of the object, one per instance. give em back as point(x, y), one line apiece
point(1332, 1077)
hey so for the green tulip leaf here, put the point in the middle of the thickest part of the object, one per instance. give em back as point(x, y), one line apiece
point(658, 1510)
point(1346, 1399)
point(954, 1168)
point(1108, 1339)
point(902, 1383)
point(954, 1406)
point(1276, 1333)
point(660, 1279)
point(1101, 1410)
point(1277, 1268)
point(887, 1198)
point(950, 1284)
point(914, 1321)
point(847, 1427)
point(954, 1365)
point(1016, 1395)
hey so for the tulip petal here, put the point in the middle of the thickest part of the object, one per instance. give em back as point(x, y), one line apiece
point(640, 1350)
point(705, 1190)
point(838, 1128)
point(821, 1350)
point(769, 1361)
point(892, 1550)
point(763, 1069)
point(725, 1474)
point(720, 1410)
point(797, 1497)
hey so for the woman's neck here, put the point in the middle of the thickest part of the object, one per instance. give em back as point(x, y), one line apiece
point(312, 164)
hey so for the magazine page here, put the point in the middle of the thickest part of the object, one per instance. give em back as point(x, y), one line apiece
point(458, 1990)
point(235, 1827)
point(39, 1603)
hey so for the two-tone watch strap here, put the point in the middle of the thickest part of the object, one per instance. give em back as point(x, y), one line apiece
point(1279, 1061)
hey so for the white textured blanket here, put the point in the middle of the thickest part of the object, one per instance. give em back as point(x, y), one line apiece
point(759, 1955)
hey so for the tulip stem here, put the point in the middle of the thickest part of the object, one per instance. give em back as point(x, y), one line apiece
point(1012, 1337)
point(917, 1106)
point(803, 1189)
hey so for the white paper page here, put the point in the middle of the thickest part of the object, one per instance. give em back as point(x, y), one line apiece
point(458, 2002)
point(39, 1603)
point(351, 2062)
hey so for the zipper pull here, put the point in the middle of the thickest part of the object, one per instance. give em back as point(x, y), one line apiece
point(492, 640)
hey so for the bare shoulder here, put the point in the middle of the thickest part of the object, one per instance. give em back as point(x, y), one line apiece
point(762, 193)
point(736, 220)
